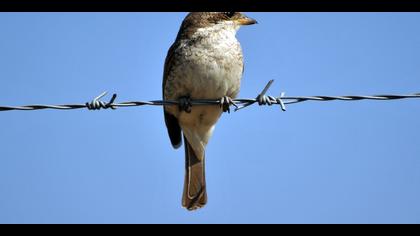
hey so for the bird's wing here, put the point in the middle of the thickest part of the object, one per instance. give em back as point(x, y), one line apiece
point(174, 130)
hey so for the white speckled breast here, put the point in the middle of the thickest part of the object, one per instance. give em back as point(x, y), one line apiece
point(208, 67)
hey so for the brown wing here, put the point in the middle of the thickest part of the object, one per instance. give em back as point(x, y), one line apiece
point(172, 125)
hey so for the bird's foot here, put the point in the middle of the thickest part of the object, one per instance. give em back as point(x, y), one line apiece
point(225, 103)
point(266, 100)
point(185, 104)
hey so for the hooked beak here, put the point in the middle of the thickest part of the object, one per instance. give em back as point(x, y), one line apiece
point(244, 20)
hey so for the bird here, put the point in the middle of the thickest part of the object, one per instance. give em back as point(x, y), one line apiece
point(204, 62)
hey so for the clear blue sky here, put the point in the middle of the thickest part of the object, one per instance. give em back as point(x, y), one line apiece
point(334, 162)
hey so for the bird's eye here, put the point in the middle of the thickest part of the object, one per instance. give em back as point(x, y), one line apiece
point(230, 14)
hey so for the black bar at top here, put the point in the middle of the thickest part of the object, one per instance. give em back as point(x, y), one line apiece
point(209, 5)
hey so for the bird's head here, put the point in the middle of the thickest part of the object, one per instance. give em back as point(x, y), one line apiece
point(213, 22)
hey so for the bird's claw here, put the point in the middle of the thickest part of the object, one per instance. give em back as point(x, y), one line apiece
point(225, 103)
point(185, 104)
point(266, 100)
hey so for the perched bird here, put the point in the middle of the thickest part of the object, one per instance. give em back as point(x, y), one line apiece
point(204, 62)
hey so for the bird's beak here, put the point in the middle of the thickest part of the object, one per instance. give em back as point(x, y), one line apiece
point(244, 20)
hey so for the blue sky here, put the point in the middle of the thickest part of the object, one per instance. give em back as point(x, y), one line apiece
point(334, 162)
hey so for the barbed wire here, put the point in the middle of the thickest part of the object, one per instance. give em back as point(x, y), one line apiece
point(239, 104)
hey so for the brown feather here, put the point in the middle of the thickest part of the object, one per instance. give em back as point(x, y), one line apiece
point(195, 192)
point(172, 125)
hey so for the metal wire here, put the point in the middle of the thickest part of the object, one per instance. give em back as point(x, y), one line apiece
point(240, 103)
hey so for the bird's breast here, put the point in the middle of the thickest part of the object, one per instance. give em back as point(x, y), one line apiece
point(208, 70)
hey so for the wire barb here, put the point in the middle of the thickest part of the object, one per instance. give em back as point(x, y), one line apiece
point(96, 104)
point(261, 99)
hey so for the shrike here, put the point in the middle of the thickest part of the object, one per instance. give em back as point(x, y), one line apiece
point(204, 62)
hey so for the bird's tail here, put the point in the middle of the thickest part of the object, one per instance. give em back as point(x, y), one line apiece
point(195, 194)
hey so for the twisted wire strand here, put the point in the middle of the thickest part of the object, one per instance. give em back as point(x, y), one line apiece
point(241, 103)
